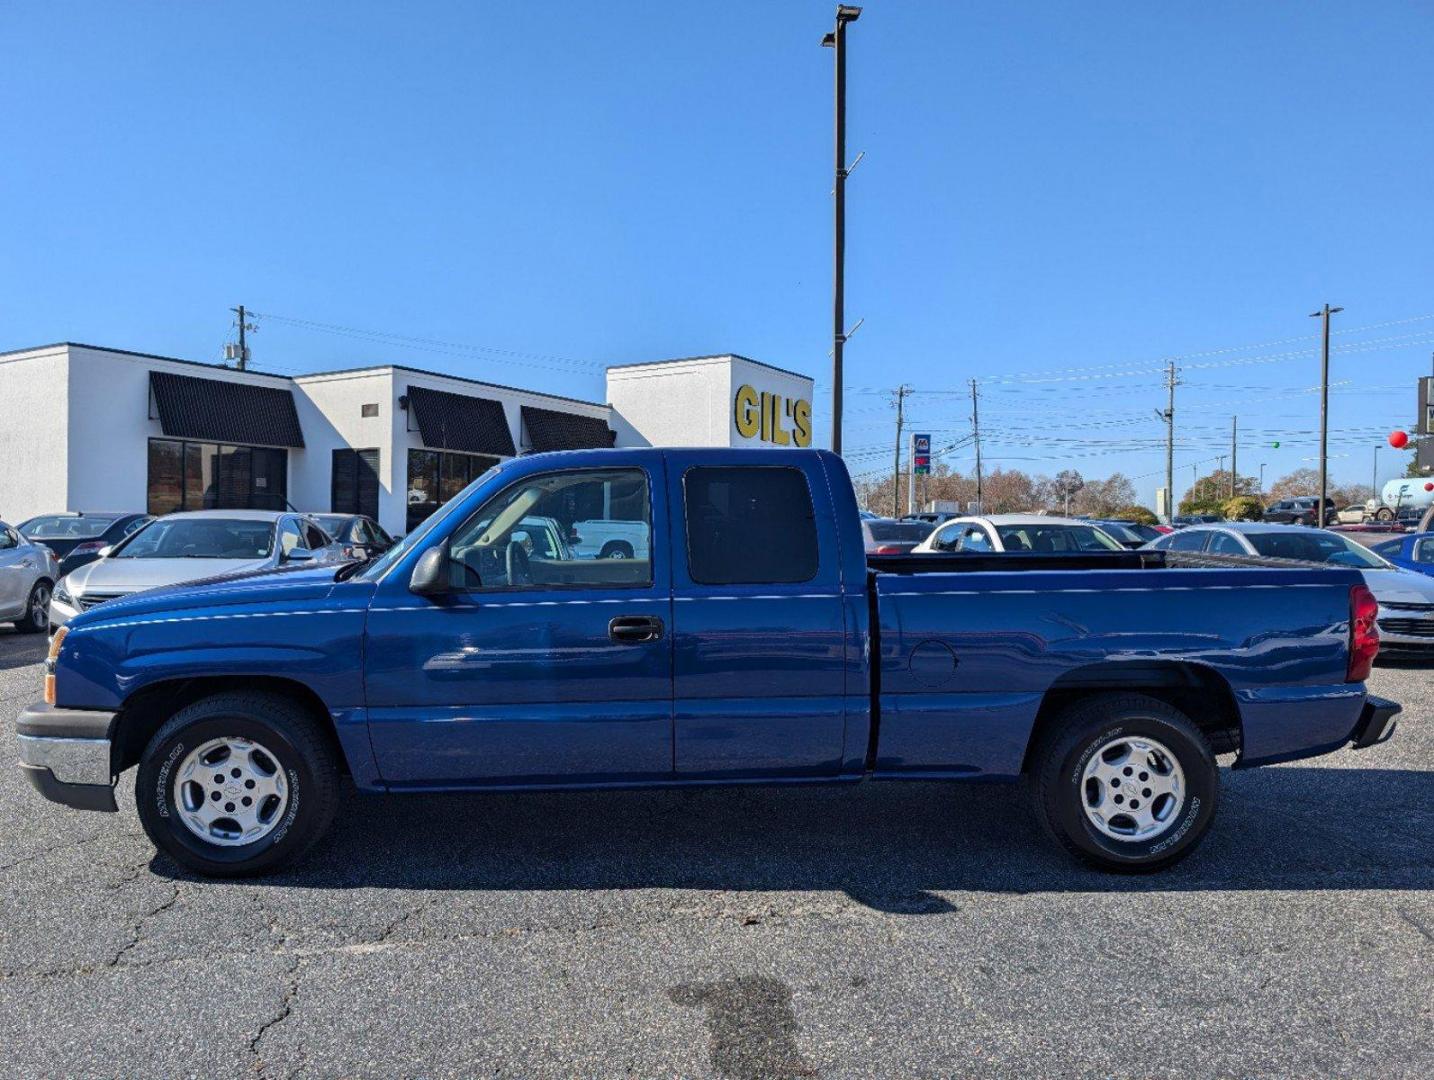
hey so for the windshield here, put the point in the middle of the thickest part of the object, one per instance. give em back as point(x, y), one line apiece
point(67, 527)
point(379, 566)
point(1054, 538)
point(900, 532)
point(200, 538)
point(1315, 546)
point(332, 523)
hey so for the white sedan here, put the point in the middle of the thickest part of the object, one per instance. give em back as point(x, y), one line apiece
point(1018, 532)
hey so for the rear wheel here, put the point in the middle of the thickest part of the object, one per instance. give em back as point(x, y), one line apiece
point(37, 610)
point(616, 549)
point(1126, 782)
point(238, 784)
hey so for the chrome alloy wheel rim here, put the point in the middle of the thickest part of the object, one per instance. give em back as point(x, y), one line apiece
point(1133, 788)
point(40, 607)
point(230, 791)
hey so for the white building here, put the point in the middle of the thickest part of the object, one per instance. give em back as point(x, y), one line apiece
point(89, 428)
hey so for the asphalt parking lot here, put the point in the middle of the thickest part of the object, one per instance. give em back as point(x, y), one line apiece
point(885, 930)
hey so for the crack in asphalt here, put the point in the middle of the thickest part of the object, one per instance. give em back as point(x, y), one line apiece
point(52, 849)
point(286, 1009)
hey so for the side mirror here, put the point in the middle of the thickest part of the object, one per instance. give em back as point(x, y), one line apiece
point(299, 554)
point(430, 574)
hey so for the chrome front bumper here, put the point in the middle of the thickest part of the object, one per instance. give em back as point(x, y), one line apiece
point(65, 754)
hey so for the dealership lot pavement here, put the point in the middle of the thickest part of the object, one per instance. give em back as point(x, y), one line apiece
point(898, 930)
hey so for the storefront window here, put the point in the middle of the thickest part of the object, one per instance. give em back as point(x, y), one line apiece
point(205, 476)
point(434, 478)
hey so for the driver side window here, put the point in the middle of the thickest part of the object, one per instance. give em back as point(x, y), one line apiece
point(975, 539)
point(581, 528)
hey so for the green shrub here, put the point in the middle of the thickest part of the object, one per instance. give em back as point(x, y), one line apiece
point(1137, 514)
point(1242, 508)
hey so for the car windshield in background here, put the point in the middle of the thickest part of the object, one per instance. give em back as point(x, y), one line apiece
point(1054, 538)
point(899, 532)
point(1129, 532)
point(201, 538)
point(1315, 547)
point(65, 527)
point(332, 523)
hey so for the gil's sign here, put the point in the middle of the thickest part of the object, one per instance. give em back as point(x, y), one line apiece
point(772, 418)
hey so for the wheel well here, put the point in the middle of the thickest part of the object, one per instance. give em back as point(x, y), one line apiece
point(618, 545)
point(1199, 692)
point(144, 712)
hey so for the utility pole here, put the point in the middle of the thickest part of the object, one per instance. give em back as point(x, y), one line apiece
point(1169, 417)
point(901, 392)
point(836, 41)
point(1323, 315)
point(1262, 476)
point(1234, 441)
point(1374, 479)
point(243, 354)
point(976, 432)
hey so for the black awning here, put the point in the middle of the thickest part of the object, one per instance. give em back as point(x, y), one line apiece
point(473, 425)
point(551, 430)
point(216, 410)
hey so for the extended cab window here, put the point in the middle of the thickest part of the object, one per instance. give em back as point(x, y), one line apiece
point(531, 535)
point(751, 525)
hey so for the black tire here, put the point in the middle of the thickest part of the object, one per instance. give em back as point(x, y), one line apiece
point(302, 750)
point(1059, 788)
point(1384, 514)
point(33, 621)
point(616, 549)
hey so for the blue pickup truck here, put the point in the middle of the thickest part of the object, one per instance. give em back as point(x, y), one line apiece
point(751, 641)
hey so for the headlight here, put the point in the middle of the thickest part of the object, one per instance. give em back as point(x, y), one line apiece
point(55, 643)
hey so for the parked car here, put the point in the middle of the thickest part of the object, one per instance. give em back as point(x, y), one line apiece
point(603, 539)
point(1353, 514)
point(28, 572)
point(1129, 534)
point(885, 536)
point(189, 546)
point(1301, 511)
point(1019, 532)
point(1413, 551)
point(746, 649)
point(78, 538)
point(927, 517)
point(360, 536)
point(1184, 521)
point(1406, 599)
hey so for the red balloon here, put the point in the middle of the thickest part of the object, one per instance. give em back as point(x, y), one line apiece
point(1429, 487)
point(1398, 439)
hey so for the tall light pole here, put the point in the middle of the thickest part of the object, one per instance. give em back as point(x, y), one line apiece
point(1262, 479)
point(1374, 478)
point(1323, 315)
point(836, 41)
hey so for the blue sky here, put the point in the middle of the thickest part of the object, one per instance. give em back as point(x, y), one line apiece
point(1051, 202)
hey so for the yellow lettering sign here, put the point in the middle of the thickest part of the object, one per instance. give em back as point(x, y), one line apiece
point(772, 418)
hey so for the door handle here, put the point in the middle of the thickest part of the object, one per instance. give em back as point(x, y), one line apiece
point(635, 629)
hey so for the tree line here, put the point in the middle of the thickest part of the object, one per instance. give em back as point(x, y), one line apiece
point(1009, 491)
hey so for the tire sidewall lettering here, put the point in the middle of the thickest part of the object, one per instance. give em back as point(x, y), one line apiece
point(161, 793)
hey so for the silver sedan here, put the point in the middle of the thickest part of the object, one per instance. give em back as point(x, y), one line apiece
point(189, 546)
point(28, 572)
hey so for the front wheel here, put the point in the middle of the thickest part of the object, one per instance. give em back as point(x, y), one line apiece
point(1126, 782)
point(1384, 514)
point(37, 610)
point(237, 784)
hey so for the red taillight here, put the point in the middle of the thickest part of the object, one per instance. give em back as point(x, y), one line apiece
point(889, 549)
point(1363, 633)
point(88, 546)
